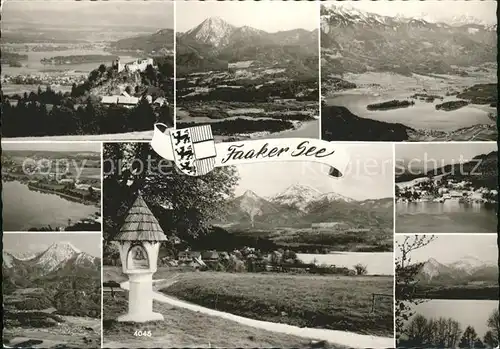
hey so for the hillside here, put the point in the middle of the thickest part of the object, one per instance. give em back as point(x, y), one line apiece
point(357, 41)
point(156, 43)
point(482, 170)
point(339, 124)
point(70, 280)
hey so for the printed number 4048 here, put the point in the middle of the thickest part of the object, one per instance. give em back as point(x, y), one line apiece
point(142, 333)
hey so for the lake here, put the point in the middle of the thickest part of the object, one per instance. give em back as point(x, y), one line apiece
point(377, 263)
point(467, 312)
point(24, 209)
point(422, 115)
point(450, 216)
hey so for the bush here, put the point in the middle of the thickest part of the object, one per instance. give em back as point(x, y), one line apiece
point(360, 269)
point(34, 303)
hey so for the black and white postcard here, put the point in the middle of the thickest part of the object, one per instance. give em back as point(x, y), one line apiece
point(447, 291)
point(249, 69)
point(51, 290)
point(271, 254)
point(81, 70)
point(51, 186)
point(446, 188)
point(401, 71)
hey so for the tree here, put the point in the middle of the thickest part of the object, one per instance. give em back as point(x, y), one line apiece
point(102, 69)
point(418, 331)
point(128, 89)
point(489, 339)
point(406, 282)
point(360, 269)
point(193, 202)
point(469, 338)
point(494, 325)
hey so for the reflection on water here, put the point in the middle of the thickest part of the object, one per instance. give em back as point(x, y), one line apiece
point(467, 312)
point(24, 208)
point(422, 115)
point(377, 263)
point(450, 216)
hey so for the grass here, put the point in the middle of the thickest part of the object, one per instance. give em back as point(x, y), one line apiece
point(338, 303)
point(185, 328)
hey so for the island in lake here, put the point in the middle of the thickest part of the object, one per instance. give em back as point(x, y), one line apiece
point(407, 77)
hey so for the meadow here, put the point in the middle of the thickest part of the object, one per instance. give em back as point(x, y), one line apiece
point(185, 328)
point(331, 302)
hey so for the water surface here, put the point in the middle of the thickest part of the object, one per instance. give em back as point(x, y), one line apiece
point(24, 208)
point(468, 312)
point(450, 216)
point(377, 263)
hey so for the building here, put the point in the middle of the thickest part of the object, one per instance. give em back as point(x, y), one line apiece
point(160, 101)
point(124, 101)
point(330, 225)
point(210, 256)
point(358, 230)
point(66, 181)
point(187, 256)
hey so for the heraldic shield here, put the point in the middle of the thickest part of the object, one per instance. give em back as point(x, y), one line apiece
point(194, 150)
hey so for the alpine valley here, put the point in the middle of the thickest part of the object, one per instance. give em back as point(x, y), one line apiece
point(51, 298)
point(247, 82)
point(308, 221)
point(407, 78)
point(466, 278)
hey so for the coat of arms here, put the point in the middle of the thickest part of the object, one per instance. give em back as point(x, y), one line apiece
point(194, 150)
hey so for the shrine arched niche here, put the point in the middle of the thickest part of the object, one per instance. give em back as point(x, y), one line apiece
point(137, 257)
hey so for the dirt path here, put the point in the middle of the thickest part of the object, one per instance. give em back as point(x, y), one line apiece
point(349, 339)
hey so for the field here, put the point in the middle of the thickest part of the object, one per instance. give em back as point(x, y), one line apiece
point(185, 328)
point(337, 302)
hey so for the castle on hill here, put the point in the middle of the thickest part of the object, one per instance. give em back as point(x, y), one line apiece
point(137, 65)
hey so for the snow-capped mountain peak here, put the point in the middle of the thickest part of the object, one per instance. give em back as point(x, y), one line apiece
point(296, 195)
point(56, 254)
point(331, 197)
point(467, 264)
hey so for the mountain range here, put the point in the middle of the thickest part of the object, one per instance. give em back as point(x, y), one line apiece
point(58, 260)
point(467, 268)
point(299, 206)
point(155, 43)
point(215, 42)
point(357, 41)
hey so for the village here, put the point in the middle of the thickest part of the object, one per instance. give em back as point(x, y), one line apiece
point(52, 79)
point(438, 189)
point(245, 259)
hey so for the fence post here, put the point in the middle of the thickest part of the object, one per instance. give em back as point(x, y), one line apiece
point(373, 302)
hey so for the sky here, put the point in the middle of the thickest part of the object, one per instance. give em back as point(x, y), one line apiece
point(38, 242)
point(451, 248)
point(438, 155)
point(52, 146)
point(369, 174)
point(431, 10)
point(154, 14)
point(270, 16)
